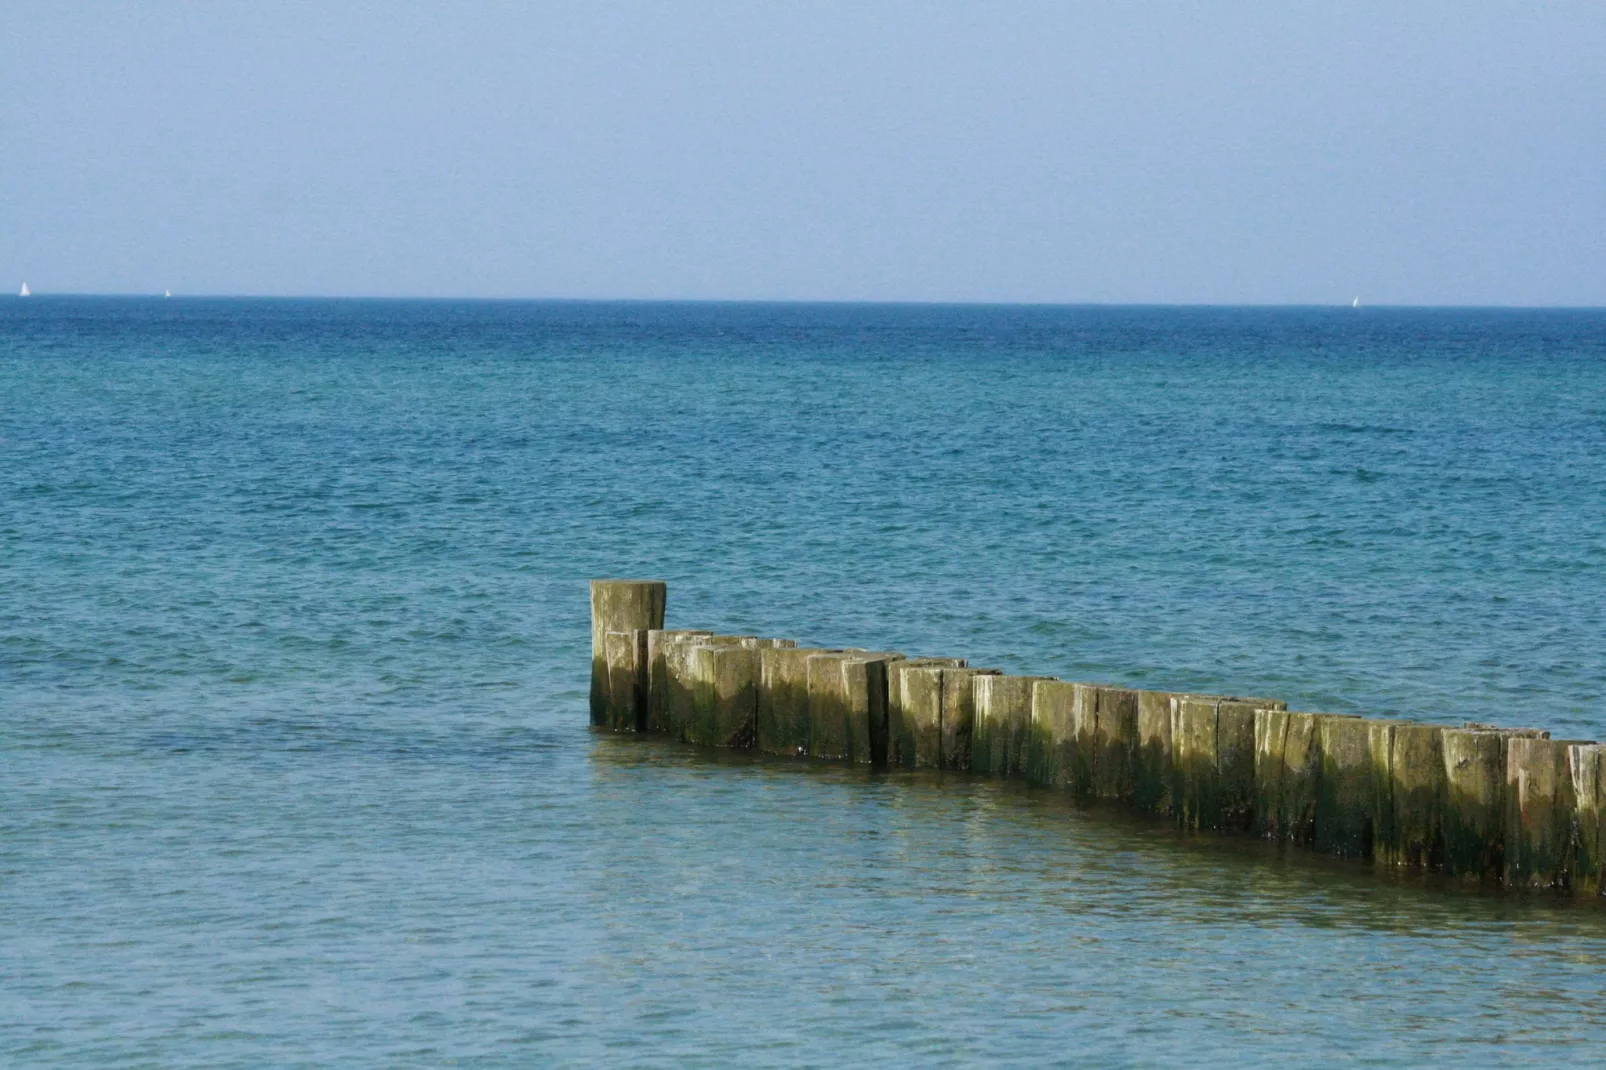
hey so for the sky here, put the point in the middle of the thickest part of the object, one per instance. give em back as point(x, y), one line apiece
point(1219, 153)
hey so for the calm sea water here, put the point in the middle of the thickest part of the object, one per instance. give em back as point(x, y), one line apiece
point(294, 766)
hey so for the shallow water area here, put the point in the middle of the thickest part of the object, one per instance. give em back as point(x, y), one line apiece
point(294, 648)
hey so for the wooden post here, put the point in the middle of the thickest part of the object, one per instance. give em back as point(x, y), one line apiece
point(618, 606)
point(1003, 724)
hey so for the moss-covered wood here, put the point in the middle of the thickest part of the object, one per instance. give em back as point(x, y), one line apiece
point(1051, 746)
point(1506, 806)
point(1586, 766)
point(625, 709)
point(1002, 730)
point(783, 700)
point(1152, 773)
point(921, 704)
point(1346, 791)
point(1085, 725)
point(1541, 814)
point(1474, 806)
point(829, 732)
point(724, 695)
point(1115, 743)
point(1271, 748)
point(1289, 784)
point(1235, 761)
point(1416, 777)
point(1197, 783)
point(864, 679)
point(679, 684)
point(618, 606)
point(1213, 744)
point(958, 715)
point(658, 683)
point(901, 749)
point(681, 671)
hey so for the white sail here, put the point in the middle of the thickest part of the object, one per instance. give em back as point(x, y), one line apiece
point(25, 292)
point(1355, 303)
point(167, 293)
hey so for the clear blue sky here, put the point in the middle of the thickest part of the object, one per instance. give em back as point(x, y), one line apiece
point(1437, 153)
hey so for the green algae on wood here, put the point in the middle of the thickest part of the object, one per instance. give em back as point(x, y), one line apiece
point(1586, 766)
point(1235, 761)
point(1508, 806)
point(938, 709)
point(1302, 774)
point(1475, 809)
point(619, 606)
point(783, 700)
point(725, 695)
point(1474, 806)
point(920, 700)
point(626, 705)
point(1417, 780)
point(1213, 760)
point(679, 687)
point(958, 715)
point(1193, 741)
point(1152, 772)
point(828, 707)
point(1288, 773)
point(682, 668)
point(1115, 744)
point(1346, 790)
point(1541, 811)
point(864, 678)
point(1085, 727)
point(1380, 747)
point(900, 733)
point(1002, 730)
point(1271, 748)
point(847, 704)
point(1051, 747)
point(658, 682)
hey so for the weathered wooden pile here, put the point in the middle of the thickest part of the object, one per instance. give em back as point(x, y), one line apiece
point(1497, 805)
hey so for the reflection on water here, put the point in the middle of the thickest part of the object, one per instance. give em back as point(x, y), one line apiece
point(962, 916)
point(293, 657)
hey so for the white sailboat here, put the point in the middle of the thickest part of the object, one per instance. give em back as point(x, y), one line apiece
point(25, 292)
point(1355, 303)
point(167, 293)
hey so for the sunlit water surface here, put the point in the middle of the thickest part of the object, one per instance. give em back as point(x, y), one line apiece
point(293, 651)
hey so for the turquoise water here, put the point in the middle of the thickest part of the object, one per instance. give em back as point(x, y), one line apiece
point(294, 653)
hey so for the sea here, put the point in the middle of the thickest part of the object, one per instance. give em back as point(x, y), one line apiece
point(295, 768)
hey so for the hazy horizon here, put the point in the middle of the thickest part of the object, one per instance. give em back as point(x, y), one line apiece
point(133, 295)
point(1030, 153)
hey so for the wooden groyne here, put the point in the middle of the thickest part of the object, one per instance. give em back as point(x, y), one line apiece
point(1498, 806)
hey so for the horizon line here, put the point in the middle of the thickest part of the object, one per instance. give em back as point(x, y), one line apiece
point(845, 302)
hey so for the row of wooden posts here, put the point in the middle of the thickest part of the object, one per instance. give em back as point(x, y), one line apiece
point(1496, 805)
